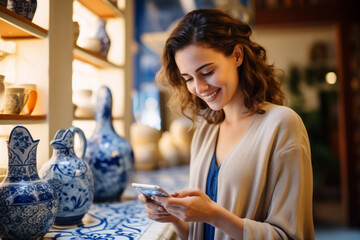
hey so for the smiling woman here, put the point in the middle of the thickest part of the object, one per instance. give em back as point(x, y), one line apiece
point(250, 165)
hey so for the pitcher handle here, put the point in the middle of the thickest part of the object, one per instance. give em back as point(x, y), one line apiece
point(26, 95)
point(82, 139)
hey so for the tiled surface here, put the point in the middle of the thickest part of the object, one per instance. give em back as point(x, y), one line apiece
point(127, 219)
point(336, 234)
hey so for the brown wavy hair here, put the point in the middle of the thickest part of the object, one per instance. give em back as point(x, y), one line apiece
point(214, 29)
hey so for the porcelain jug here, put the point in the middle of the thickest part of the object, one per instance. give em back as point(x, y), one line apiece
point(70, 176)
point(110, 156)
point(28, 205)
point(25, 8)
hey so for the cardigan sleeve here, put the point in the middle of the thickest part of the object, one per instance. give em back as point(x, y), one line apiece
point(288, 197)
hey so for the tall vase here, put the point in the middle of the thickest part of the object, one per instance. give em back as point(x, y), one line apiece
point(28, 205)
point(25, 8)
point(109, 155)
point(70, 176)
point(104, 39)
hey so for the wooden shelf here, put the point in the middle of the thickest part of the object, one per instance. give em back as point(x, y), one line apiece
point(92, 118)
point(102, 8)
point(14, 26)
point(17, 119)
point(93, 58)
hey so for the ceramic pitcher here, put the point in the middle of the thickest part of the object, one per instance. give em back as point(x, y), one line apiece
point(110, 156)
point(28, 205)
point(70, 176)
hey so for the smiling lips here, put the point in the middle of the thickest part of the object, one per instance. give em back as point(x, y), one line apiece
point(212, 96)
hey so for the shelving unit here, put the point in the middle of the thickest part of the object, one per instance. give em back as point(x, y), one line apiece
point(49, 52)
point(102, 8)
point(14, 26)
point(93, 58)
point(113, 73)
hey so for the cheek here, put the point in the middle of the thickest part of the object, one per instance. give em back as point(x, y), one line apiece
point(191, 87)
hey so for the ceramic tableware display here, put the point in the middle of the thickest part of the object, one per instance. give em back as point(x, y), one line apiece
point(25, 8)
point(109, 155)
point(31, 102)
point(2, 92)
point(104, 39)
point(15, 99)
point(28, 205)
point(70, 176)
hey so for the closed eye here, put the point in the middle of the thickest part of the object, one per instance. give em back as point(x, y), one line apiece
point(187, 79)
point(208, 73)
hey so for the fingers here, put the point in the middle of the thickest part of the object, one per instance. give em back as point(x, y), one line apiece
point(189, 192)
point(142, 198)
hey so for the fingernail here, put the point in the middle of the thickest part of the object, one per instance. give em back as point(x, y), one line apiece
point(153, 197)
point(175, 194)
point(159, 208)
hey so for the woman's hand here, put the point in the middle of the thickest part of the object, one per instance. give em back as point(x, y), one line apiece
point(188, 205)
point(155, 211)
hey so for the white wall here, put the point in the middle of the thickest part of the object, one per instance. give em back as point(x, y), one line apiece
point(291, 46)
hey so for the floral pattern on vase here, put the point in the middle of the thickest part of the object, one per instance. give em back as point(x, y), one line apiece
point(110, 156)
point(28, 205)
point(25, 8)
point(70, 176)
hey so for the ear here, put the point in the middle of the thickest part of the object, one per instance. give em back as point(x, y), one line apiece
point(238, 54)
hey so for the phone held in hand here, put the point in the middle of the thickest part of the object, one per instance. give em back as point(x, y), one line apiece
point(149, 190)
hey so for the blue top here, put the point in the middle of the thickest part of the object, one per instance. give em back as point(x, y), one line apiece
point(211, 191)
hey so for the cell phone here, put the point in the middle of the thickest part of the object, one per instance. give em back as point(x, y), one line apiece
point(149, 190)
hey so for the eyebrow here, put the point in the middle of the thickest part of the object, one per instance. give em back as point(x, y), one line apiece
point(199, 68)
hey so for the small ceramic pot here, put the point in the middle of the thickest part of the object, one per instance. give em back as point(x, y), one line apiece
point(15, 99)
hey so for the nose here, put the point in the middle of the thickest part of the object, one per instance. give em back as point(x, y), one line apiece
point(201, 85)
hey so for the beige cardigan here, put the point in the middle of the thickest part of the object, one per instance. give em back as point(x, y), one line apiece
point(266, 179)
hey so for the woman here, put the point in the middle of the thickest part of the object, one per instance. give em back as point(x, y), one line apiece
point(250, 168)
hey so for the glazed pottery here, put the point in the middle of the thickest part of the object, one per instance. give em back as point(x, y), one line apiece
point(15, 99)
point(25, 8)
point(70, 176)
point(110, 156)
point(30, 104)
point(3, 3)
point(28, 205)
point(104, 39)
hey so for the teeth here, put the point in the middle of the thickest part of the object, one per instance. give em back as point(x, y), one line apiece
point(209, 97)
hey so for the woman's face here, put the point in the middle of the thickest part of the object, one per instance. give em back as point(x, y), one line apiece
point(210, 74)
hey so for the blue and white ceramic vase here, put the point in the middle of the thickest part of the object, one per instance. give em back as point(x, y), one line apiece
point(3, 3)
point(28, 205)
point(104, 39)
point(70, 176)
point(110, 156)
point(25, 8)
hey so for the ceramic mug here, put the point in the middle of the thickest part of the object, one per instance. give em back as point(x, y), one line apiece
point(15, 100)
point(30, 104)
